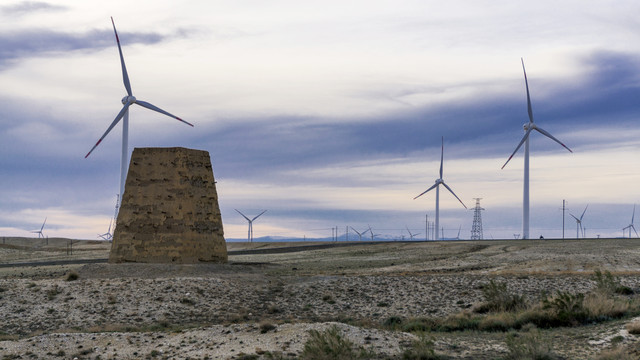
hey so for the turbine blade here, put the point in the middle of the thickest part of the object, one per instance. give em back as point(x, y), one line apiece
point(585, 210)
point(546, 133)
point(115, 121)
point(578, 220)
point(45, 221)
point(257, 216)
point(634, 230)
point(528, 97)
point(524, 138)
point(242, 215)
point(441, 157)
point(426, 191)
point(454, 194)
point(634, 213)
point(357, 232)
point(155, 108)
point(125, 75)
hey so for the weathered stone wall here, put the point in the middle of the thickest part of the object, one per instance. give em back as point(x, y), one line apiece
point(169, 212)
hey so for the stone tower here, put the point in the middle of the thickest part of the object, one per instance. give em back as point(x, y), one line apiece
point(169, 212)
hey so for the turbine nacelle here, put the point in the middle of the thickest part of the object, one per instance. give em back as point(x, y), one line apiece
point(526, 126)
point(128, 99)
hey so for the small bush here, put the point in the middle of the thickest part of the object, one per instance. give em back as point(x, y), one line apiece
point(617, 353)
point(72, 276)
point(393, 322)
point(330, 344)
point(529, 346)
point(266, 327)
point(600, 306)
point(420, 349)
point(498, 299)
point(606, 283)
point(634, 327)
point(568, 308)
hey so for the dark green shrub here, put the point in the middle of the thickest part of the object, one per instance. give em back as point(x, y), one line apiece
point(72, 276)
point(498, 299)
point(421, 349)
point(330, 344)
point(529, 346)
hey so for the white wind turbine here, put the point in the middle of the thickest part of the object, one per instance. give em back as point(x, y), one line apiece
point(39, 232)
point(437, 187)
point(528, 127)
point(631, 226)
point(250, 231)
point(411, 235)
point(579, 223)
point(124, 115)
point(359, 233)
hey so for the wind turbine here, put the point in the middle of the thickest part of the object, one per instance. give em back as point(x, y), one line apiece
point(528, 127)
point(359, 233)
point(437, 187)
point(411, 235)
point(127, 101)
point(250, 232)
point(39, 232)
point(579, 222)
point(631, 225)
point(371, 233)
point(107, 236)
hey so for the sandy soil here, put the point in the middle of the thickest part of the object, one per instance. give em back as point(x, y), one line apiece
point(267, 301)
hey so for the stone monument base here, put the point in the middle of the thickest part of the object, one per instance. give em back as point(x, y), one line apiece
point(169, 212)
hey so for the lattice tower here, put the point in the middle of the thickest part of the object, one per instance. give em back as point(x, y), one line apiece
point(476, 229)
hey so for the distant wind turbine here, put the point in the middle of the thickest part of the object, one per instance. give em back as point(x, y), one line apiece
point(371, 233)
point(631, 226)
point(107, 236)
point(39, 232)
point(124, 115)
point(579, 223)
point(360, 233)
point(437, 187)
point(250, 232)
point(411, 235)
point(528, 127)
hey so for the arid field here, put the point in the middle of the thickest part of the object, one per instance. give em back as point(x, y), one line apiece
point(389, 300)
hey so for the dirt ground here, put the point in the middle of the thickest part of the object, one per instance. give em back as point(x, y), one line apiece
point(270, 294)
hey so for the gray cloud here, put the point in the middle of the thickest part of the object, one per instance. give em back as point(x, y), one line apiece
point(39, 42)
point(26, 7)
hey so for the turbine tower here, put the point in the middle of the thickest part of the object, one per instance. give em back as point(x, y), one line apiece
point(476, 229)
point(124, 115)
point(631, 226)
point(250, 232)
point(528, 127)
point(439, 181)
point(579, 223)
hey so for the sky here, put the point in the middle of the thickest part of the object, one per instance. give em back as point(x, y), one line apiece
point(327, 114)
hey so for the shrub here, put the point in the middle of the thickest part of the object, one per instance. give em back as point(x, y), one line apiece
point(498, 299)
point(393, 322)
point(72, 276)
point(420, 349)
point(634, 327)
point(600, 306)
point(330, 344)
point(266, 327)
point(568, 308)
point(606, 283)
point(529, 346)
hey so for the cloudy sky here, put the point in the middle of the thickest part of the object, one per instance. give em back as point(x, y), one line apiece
point(327, 113)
